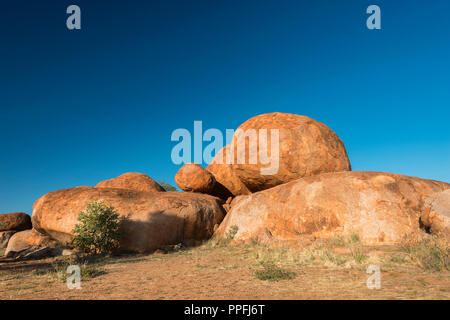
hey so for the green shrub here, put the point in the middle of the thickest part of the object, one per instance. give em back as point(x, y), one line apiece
point(354, 238)
point(358, 254)
point(166, 186)
point(344, 241)
point(98, 230)
point(271, 272)
point(431, 254)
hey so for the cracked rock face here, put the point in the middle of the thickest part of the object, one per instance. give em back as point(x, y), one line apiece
point(305, 148)
point(149, 219)
point(436, 214)
point(382, 208)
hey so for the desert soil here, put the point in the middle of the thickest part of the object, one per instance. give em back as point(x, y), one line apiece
point(228, 272)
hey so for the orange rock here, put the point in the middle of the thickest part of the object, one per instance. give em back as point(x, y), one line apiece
point(150, 219)
point(132, 181)
point(436, 214)
point(192, 177)
point(4, 238)
point(24, 240)
point(306, 148)
point(379, 207)
point(16, 221)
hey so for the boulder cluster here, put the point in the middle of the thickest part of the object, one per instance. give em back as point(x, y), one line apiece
point(313, 194)
point(150, 217)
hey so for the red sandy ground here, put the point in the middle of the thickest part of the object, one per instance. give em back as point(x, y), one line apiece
point(219, 273)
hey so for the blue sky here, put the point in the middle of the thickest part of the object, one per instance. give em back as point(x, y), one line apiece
point(78, 107)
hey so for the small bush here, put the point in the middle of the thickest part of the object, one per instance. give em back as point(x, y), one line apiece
point(338, 241)
point(227, 237)
point(273, 273)
point(354, 238)
point(432, 254)
point(98, 230)
point(231, 233)
point(328, 255)
point(344, 241)
point(358, 254)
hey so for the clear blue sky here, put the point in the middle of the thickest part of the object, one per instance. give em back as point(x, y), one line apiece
point(78, 107)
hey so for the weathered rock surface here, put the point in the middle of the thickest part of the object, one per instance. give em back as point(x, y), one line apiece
point(16, 221)
point(132, 181)
point(306, 147)
point(4, 238)
point(192, 177)
point(150, 219)
point(380, 207)
point(30, 244)
point(436, 214)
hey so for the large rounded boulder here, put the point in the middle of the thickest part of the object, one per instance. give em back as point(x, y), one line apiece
point(149, 220)
point(382, 208)
point(16, 221)
point(276, 148)
point(132, 181)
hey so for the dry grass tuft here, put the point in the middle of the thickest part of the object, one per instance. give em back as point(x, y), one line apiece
point(431, 253)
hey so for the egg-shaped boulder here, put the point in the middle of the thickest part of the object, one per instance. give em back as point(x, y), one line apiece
point(275, 148)
point(192, 177)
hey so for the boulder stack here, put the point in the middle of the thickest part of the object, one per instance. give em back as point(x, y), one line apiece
point(283, 176)
point(10, 223)
point(285, 146)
